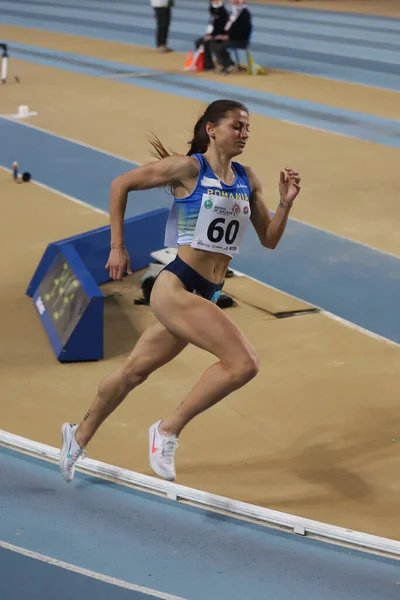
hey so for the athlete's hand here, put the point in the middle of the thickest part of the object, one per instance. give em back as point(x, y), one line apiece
point(119, 263)
point(289, 185)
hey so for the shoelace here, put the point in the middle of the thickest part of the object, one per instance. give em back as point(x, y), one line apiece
point(78, 453)
point(169, 445)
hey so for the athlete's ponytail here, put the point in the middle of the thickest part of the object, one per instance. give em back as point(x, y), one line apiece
point(200, 141)
point(214, 113)
point(159, 150)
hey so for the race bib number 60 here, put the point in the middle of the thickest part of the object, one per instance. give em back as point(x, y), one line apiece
point(221, 223)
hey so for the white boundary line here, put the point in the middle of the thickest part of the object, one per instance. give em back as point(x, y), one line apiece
point(137, 164)
point(68, 139)
point(358, 328)
point(66, 196)
point(235, 508)
point(88, 573)
point(330, 315)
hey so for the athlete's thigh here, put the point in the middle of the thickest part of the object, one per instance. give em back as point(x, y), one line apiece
point(197, 321)
point(155, 347)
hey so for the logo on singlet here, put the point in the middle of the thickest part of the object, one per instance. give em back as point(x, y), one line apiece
point(222, 210)
point(235, 210)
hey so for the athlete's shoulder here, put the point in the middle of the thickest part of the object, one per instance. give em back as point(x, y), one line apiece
point(183, 166)
point(200, 160)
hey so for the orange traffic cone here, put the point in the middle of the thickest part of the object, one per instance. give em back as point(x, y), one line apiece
point(189, 61)
point(195, 61)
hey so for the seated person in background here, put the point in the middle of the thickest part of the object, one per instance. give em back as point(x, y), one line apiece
point(218, 19)
point(236, 34)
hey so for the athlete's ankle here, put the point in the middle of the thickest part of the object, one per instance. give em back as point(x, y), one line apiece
point(81, 438)
point(172, 427)
point(166, 428)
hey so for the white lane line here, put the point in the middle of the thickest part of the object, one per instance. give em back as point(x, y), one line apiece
point(66, 196)
point(93, 574)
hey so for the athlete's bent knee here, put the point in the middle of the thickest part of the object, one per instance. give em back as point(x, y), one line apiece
point(247, 369)
point(133, 376)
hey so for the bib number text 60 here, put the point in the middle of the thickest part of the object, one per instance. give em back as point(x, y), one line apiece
point(216, 231)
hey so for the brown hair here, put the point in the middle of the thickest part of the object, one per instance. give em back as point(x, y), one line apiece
point(214, 113)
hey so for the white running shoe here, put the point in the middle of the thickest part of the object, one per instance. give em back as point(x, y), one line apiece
point(161, 452)
point(70, 451)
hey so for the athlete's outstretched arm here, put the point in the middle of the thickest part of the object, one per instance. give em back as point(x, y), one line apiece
point(168, 171)
point(270, 229)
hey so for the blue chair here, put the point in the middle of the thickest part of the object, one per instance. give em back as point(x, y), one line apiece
point(249, 58)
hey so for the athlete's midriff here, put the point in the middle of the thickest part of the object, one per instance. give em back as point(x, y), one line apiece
point(211, 265)
point(207, 226)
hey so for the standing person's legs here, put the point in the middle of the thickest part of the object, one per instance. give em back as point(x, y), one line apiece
point(167, 24)
point(164, 23)
point(158, 15)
